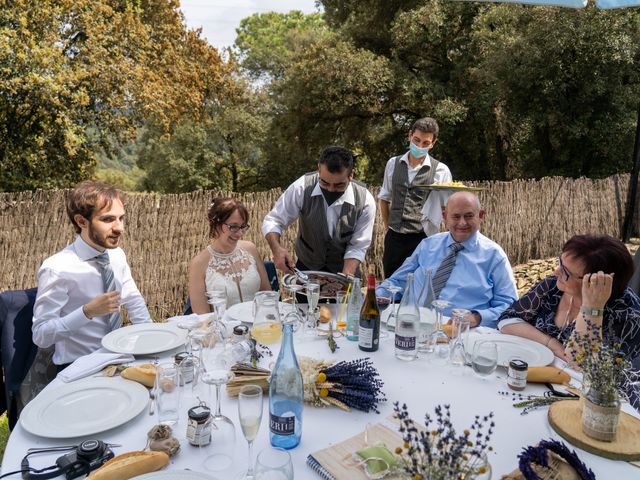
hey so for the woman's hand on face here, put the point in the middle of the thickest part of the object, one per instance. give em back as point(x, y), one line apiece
point(596, 289)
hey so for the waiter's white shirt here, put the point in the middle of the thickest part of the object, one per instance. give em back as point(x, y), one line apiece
point(288, 206)
point(431, 210)
point(67, 281)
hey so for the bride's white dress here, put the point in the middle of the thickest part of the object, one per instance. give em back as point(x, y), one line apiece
point(235, 272)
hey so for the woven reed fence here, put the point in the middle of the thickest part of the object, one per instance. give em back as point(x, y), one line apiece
point(530, 219)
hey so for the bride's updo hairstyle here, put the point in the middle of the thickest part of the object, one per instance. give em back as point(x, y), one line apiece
point(220, 210)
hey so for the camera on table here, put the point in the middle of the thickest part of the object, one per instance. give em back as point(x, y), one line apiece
point(82, 460)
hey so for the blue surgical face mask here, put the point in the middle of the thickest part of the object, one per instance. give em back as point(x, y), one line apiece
point(418, 152)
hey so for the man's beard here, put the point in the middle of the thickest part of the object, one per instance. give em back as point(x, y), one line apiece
point(101, 241)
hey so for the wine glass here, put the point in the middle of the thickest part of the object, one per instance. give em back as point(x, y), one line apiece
point(294, 288)
point(250, 415)
point(189, 323)
point(439, 342)
point(216, 371)
point(393, 313)
point(274, 464)
point(485, 358)
point(460, 334)
point(218, 300)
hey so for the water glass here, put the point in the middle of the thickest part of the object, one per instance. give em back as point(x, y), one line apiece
point(168, 393)
point(485, 358)
point(341, 310)
point(274, 464)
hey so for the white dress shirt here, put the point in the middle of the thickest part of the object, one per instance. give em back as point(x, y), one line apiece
point(432, 208)
point(66, 282)
point(288, 206)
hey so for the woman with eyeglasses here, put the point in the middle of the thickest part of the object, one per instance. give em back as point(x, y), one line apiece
point(228, 263)
point(589, 285)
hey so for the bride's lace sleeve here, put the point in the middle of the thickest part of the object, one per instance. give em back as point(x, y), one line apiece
point(532, 304)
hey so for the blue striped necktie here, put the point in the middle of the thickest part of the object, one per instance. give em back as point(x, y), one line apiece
point(445, 268)
point(109, 282)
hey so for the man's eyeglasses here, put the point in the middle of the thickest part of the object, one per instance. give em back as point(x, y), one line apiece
point(566, 273)
point(236, 228)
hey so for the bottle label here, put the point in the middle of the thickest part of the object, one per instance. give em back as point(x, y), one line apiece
point(282, 425)
point(365, 337)
point(405, 343)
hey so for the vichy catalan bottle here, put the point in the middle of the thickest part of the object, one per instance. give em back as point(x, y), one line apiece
point(407, 324)
point(353, 310)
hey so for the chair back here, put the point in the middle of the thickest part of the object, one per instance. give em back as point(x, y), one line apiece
point(17, 349)
point(634, 283)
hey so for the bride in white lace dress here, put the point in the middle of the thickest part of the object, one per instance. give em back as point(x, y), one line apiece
point(228, 263)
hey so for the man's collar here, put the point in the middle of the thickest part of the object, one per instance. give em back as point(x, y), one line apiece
point(425, 161)
point(347, 197)
point(470, 244)
point(84, 250)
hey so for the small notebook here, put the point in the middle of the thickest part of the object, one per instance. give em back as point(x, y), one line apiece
point(336, 462)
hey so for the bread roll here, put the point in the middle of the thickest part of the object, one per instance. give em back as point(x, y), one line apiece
point(547, 375)
point(129, 465)
point(325, 314)
point(144, 374)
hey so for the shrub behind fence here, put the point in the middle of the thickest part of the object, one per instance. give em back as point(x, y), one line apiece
point(530, 219)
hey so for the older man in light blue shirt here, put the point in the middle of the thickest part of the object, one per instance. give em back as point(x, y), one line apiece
point(480, 280)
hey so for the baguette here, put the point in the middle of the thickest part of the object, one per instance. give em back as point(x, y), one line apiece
point(144, 374)
point(547, 375)
point(130, 465)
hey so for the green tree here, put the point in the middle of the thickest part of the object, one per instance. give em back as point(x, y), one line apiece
point(111, 65)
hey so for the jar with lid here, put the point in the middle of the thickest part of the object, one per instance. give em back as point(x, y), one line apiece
point(186, 366)
point(517, 374)
point(240, 333)
point(199, 425)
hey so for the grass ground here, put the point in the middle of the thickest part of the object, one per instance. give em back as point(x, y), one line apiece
point(4, 433)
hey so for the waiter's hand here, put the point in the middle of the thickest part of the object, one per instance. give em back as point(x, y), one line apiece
point(283, 260)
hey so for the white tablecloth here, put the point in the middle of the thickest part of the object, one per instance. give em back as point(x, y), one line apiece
point(419, 384)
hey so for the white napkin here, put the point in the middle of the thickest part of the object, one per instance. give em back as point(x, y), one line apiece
point(93, 363)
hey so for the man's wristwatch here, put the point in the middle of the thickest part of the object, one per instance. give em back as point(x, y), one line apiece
point(593, 312)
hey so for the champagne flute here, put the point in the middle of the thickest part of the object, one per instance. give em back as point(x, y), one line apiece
point(313, 297)
point(439, 342)
point(294, 288)
point(393, 313)
point(250, 415)
point(460, 333)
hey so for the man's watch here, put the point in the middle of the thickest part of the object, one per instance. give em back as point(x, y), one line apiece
point(592, 312)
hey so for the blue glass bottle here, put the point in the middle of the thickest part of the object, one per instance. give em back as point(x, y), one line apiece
point(286, 395)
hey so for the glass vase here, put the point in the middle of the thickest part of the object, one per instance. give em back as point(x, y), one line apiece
point(600, 416)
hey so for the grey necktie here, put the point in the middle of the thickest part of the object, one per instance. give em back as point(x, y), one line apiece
point(109, 282)
point(445, 268)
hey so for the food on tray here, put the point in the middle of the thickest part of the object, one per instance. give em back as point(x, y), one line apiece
point(130, 465)
point(144, 374)
point(449, 184)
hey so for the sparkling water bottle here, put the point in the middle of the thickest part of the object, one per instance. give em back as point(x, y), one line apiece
point(353, 310)
point(286, 395)
point(407, 324)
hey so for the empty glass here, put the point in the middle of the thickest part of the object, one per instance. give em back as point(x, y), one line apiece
point(313, 297)
point(460, 335)
point(393, 308)
point(274, 464)
point(439, 342)
point(250, 415)
point(167, 393)
point(485, 358)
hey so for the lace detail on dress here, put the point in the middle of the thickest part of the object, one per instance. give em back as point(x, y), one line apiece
point(235, 272)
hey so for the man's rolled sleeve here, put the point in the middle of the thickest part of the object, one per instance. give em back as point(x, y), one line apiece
point(286, 210)
point(361, 239)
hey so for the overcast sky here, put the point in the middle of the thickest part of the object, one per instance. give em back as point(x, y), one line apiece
point(220, 18)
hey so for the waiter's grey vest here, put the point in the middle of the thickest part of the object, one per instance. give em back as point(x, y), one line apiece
point(407, 199)
point(314, 247)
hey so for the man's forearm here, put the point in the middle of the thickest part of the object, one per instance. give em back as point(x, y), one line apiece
point(273, 239)
point(384, 212)
point(350, 266)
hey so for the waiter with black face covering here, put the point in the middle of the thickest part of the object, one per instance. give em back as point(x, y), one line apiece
point(335, 218)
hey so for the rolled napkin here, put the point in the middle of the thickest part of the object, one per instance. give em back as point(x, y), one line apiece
point(547, 375)
point(92, 363)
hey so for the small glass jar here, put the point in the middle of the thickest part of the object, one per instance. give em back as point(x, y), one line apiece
point(185, 364)
point(517, 374)
point(240, 333)
point(199, 426)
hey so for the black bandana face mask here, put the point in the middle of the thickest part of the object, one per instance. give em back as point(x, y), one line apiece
point(330, 197)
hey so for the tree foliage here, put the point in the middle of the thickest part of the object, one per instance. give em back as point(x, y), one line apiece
point(70, 65)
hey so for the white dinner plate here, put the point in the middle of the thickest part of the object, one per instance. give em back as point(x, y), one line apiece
point(510, 346)
point(243, 312)
point(145, 338)
point(384, 316)
point(175, 475)
point(85, 407)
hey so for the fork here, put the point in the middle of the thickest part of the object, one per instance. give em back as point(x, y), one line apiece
point(152, 393)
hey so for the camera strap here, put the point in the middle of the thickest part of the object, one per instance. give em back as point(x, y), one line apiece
point(53, 471)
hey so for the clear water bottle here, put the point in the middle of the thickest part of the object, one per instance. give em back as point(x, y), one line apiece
point(428, 315)
point(407, 324)
point(353, 310)
point(286, 395)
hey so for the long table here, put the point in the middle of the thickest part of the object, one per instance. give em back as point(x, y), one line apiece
point(420, 384)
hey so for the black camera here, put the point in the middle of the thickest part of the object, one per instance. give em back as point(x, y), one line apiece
point(83, 459)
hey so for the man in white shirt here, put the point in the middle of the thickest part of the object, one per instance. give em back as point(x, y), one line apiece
point(81, 288)
point(335, 218)
point(403, 195)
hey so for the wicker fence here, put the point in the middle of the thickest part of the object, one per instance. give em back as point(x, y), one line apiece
point(530, 219)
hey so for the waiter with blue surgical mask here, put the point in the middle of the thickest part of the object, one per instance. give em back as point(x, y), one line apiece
point(335, 218)
point(403, 194)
